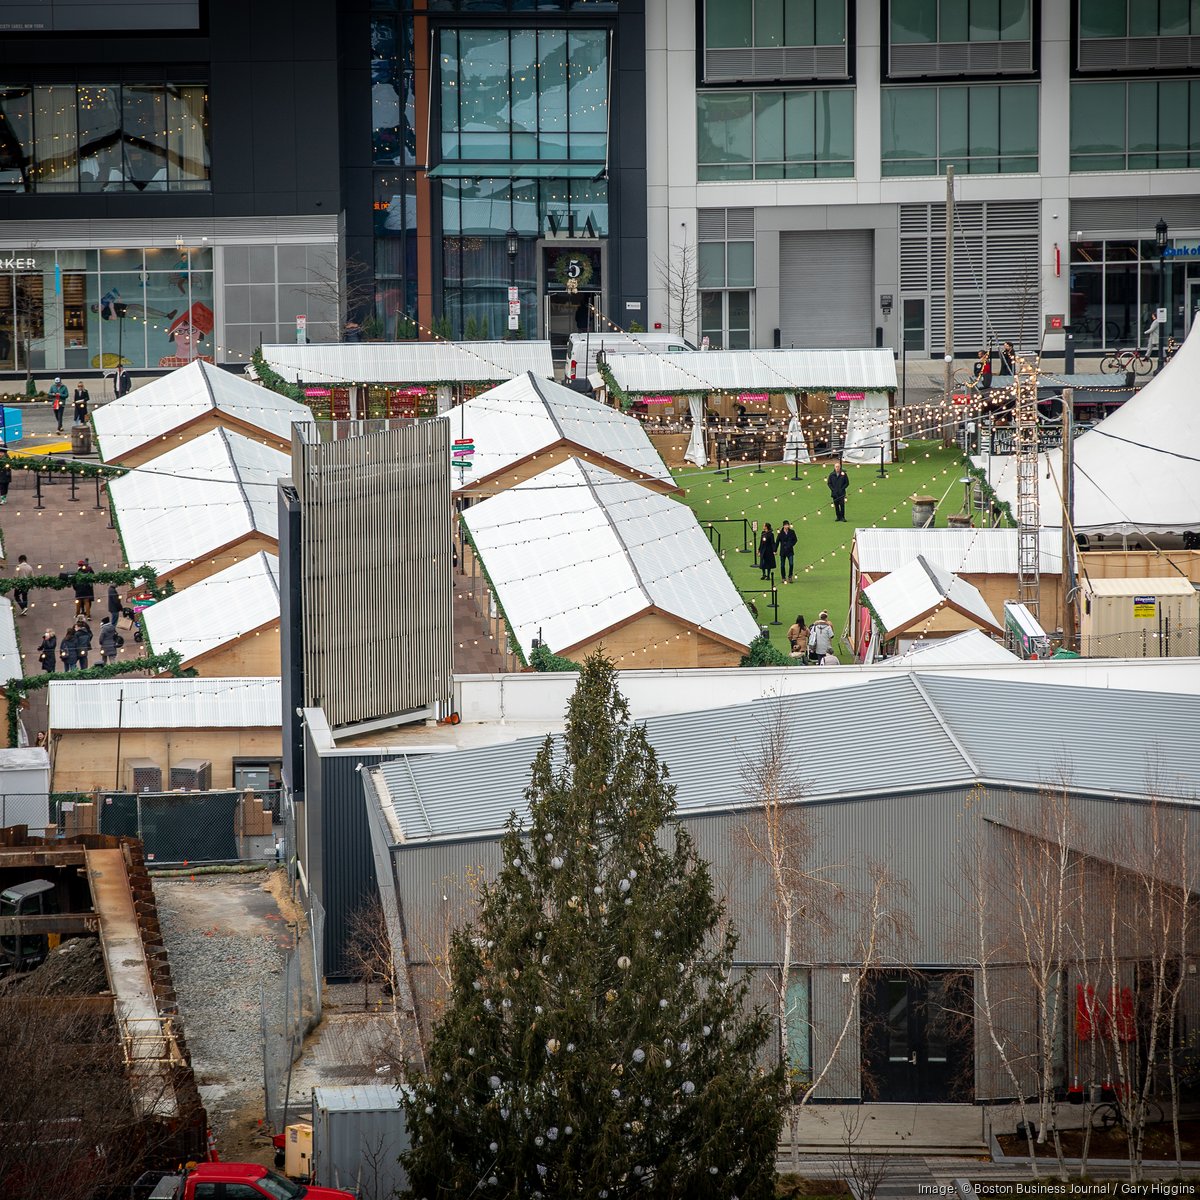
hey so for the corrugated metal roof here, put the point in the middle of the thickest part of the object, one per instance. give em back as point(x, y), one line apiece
point(971, 647)
point(409, 362)
point(10, 651)
point(577, 550)
point(207, 493)
point(941, 730)
point(768, 370)
point(1167, 585)
point(962, 551)
point(217, 610)
point(165, 703)
point(165, 404)
point(358, 1097)
point(529, 414)
point(1102, 740)
point(917, 589)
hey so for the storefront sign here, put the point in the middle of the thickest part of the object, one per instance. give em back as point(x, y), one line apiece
point(1182, 252)
point(657, 399)
point(10, 262)
point(413, 391)
point(849, 397)
point(301, 328)
point(1144, 606)
point(754, 397)
point(315, 393)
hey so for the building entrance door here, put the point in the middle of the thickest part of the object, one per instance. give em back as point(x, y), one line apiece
point(1193, 305)
point(568, 313)
point(572, 291)
point(917, 1037)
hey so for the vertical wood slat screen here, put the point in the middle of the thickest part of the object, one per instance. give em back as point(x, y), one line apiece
point(376, 568)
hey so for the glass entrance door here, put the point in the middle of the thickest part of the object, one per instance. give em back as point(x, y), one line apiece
point(917, 1037)
point(567, 314)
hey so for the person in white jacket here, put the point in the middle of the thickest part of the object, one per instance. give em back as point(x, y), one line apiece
point(820, 638)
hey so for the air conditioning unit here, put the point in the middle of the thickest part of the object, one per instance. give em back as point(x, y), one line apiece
point(192, 775)
point(142, 775)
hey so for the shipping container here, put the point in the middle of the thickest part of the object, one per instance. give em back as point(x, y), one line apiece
point(359, 1133)
point(1140, 618)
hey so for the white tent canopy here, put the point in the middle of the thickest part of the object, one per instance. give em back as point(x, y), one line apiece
point(212, 612)
point(1138, 471)
point(972, 647)
point(579, 550)
point(189, 502)
point(918, 590)
point(165, 405)
point(527, 415)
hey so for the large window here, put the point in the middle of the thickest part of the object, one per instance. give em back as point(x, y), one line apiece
point(1138, 18)
point(776, 134)
point(148, 137)
point(1141, 125)
point(983, 129)
point(523, 95)
point(725, 319)
point(740, 24)
point(926, 21)
point(392, 124)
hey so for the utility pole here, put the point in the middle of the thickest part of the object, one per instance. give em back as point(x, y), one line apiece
point(1029, 583)
point(1068, 519)
point(948, 378)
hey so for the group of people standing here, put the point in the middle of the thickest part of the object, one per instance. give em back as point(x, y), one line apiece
point(782, 545)
point(58, 402)
point(813, 643)
point(74, 647)
point(983, 365)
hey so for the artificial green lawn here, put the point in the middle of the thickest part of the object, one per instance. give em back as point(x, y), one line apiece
point(822, 578)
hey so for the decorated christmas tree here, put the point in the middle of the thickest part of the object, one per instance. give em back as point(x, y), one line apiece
point(597, 1041)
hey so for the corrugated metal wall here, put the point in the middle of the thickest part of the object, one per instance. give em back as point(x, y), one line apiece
point(376, 551)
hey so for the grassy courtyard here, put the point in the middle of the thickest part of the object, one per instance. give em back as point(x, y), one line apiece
point(823, 550)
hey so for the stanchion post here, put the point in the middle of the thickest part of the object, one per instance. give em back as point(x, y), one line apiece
point(774, 599)
point(37, 475)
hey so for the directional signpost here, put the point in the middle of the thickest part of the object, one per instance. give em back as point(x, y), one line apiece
point(462, 452)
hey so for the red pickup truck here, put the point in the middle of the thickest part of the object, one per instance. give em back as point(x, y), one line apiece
point(238, 1181)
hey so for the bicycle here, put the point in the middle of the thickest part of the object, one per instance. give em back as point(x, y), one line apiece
point(1121, 362)
point(1110, 1115)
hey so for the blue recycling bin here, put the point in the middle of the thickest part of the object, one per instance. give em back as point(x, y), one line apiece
point(14, 424)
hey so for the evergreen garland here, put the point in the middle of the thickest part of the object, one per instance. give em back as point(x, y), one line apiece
point(597, 1041)
point(763, 654)
point(147, 577)
point(543, 658)
point(66, 466)
point(272, 380)
point(989, 493)
point(18, 689)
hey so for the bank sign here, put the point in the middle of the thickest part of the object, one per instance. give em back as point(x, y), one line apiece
point(1182, 252)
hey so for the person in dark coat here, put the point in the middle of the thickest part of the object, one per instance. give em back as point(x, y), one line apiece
point(46, 651)
point(1008, 359)
point(5, 479)
point(786, 544)
point(83, 642)
point(68, 651)
point(839, 485)
point(766, 550)
point(114, 604)
point(108, 640)
point(81, 399)
point(85, 590)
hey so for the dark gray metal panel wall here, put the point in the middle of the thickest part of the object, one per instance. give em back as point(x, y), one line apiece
point(292, 680)
point(627, 174)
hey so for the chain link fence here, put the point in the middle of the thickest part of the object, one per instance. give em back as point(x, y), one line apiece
point(1161, 641)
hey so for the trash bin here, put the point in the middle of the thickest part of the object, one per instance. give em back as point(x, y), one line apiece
point(81, 440)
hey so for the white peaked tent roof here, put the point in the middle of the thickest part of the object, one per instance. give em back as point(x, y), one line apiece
point(162, 406)
point(188, 502)
point(408, 362)
point(578, 550)
point(215, 611)
point(1138, 471)
point(526, 415)
point(972, 647)
point(917, 590)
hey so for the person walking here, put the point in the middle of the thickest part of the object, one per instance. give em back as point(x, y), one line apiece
point(839, 485)
point(68, 651)
point(85, 589)
point(58, 400)
point(81, 399)
point(786, 544)
point(114, 604)
point(797, 637)
point(820, 638)
point(21, 594)
point(46, 652)
point(110, 640)
point(766, 551)
point(5, 478)
point(83, 642)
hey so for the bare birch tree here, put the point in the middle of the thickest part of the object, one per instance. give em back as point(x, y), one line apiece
point(679, 275)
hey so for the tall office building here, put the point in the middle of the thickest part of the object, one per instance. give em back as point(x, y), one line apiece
point(799, 147)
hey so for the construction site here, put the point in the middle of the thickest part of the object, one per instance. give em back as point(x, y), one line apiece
point(98, 1076)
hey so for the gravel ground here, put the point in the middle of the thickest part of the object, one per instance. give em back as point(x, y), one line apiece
point(227, 939)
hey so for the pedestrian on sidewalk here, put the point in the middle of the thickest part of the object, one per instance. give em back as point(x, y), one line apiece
point(109, 641)
point(786, 544)
point(68, 651)
point(58, 400)
point(46, 648)
point(81, 403)
point(820, 638)
point(766, 551)
point(83, 642)
point(5, 478)
point(839, 485)
point(21, 594)
point(85, 590)
point(114, 604)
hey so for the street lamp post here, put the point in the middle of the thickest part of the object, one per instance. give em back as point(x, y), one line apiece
point(1160, 240)
point(512, 244)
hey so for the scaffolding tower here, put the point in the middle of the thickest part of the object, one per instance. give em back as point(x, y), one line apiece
point(1029, 584)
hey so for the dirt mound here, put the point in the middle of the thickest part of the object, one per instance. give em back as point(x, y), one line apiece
point(73, 968)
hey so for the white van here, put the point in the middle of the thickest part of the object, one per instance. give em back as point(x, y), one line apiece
point(582, 348)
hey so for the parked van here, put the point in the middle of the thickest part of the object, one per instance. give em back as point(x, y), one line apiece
point(583, 348)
